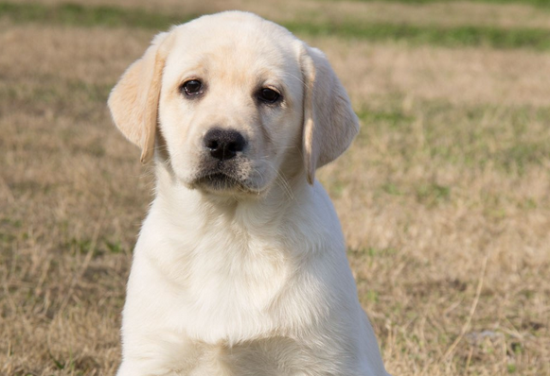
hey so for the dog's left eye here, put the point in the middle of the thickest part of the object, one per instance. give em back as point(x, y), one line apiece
point(268, 96)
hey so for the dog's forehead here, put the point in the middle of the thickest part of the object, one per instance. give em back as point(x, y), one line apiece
point(234, 41)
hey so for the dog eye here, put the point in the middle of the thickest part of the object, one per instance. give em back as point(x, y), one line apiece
point(191, 88)
point(268, 96)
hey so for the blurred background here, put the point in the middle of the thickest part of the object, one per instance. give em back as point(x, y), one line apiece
point(444, 197)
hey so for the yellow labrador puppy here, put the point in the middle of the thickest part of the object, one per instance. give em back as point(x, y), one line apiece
point(240, 267)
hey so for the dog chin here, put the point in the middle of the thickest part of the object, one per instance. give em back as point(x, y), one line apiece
point(217, 182)
point(222, 184)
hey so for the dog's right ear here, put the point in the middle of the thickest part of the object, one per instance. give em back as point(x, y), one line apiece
point(134, 100)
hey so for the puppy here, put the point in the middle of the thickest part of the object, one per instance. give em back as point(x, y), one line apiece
point(240, 267)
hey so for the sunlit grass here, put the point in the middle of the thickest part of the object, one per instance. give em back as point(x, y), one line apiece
point(110, 16)
point(446, 172)
point(537, 3)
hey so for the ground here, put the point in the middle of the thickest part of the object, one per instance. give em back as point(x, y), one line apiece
point(444, 196)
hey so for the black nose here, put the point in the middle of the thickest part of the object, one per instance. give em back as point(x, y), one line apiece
point(224, 143)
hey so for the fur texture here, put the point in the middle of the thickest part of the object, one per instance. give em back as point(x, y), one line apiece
point(249, 277)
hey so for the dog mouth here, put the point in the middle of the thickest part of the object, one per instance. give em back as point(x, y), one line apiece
point(223, 178)
point(219, 181)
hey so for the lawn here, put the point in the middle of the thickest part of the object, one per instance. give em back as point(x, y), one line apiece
point(444, 197)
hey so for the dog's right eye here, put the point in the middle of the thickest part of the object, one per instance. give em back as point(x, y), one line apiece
point(191, 88)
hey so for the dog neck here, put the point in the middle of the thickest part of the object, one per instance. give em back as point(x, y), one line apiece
point(248, 211)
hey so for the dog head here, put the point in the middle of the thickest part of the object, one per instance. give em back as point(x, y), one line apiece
point(234, 102)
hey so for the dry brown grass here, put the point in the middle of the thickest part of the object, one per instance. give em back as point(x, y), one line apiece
point(451, 170)
point(461, 76)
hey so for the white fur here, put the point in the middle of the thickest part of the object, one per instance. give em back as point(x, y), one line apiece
point(252, 282)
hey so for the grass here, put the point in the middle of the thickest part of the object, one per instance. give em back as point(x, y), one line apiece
point(504, 138)
point(73, 14)
point(449, 37)
point(451, 168)
point(537, 3)
point(109, 16)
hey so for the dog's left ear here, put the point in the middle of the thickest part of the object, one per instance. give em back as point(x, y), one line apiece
point(134, 100)
point(329, 121)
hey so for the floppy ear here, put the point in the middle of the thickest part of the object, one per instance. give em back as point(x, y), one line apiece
point(329, 121)
point(134, 100)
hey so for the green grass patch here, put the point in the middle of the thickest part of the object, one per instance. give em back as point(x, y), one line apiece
point(51, 91)
point(391, 189)
point(512, 139)
point(80, 15)
point(432, 194)
point(537, 3)
point(461, 36)
point(394, 118)
point(110, 16)
point(99, 247)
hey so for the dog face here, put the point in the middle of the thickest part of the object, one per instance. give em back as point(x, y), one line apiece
point(234, 102)
point(229, 108)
